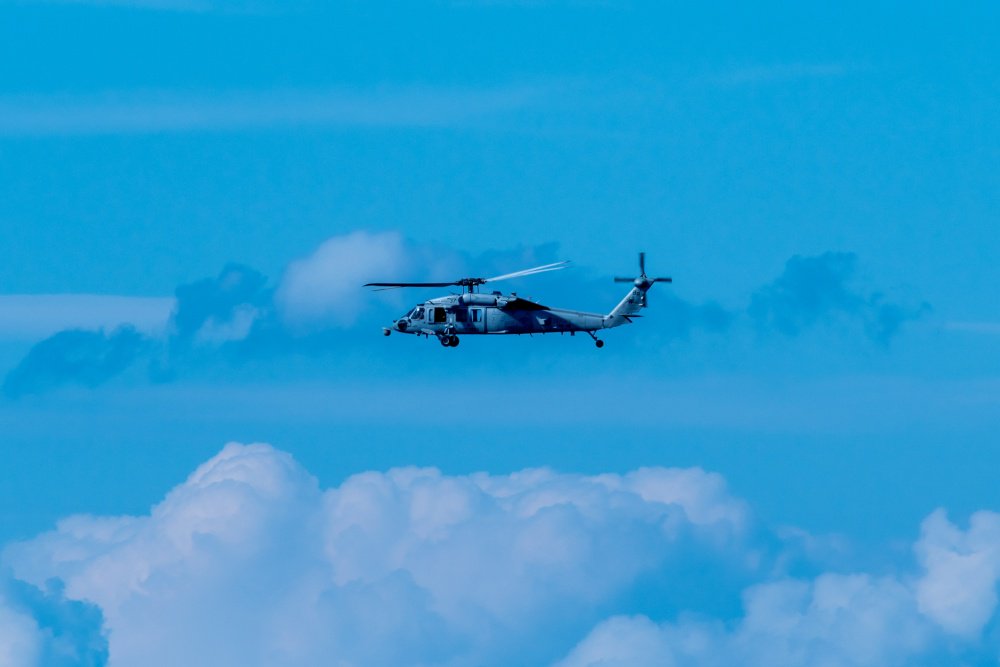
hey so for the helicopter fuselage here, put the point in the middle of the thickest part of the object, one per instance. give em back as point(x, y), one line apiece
point(496, 313)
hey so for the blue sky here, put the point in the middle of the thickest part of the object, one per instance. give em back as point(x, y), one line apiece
point(192, 193)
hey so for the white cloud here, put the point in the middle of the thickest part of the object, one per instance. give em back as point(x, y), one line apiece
point(251, 563)
point(40, 628)
point(326, 288)
point(20, 638)
point(34, 316)
point(962, 568)
point(835, 620)
point(236, 327)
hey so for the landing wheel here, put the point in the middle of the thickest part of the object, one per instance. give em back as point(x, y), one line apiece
point(599, 343)
point(445, 341)
point(453, 340)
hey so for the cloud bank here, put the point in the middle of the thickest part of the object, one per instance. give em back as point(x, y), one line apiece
point(250, 562)
point(29, 317)
point(318, 306)
point(88, 358)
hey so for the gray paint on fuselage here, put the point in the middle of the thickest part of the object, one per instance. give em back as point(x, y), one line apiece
point(496, 320)
point(526, 318)
point(552, 320)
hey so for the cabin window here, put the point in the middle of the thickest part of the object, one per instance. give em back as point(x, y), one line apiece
point(477, 314)
point(439, 316)
point(417, 314)
point(461, 315)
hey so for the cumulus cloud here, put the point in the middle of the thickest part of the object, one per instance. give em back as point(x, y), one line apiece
point(235, 315)
point(834, 620)
point(933, 615)
point(323, 288)
point(820, 289)
point(219, 309)
point(959, 589)
point(317, 294)
point(250, 562)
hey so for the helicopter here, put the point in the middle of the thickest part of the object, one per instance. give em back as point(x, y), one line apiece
point(475, 313)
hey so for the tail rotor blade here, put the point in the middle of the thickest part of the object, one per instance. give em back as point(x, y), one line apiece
point(624, 280)
point(642, 263)
point(663, 280)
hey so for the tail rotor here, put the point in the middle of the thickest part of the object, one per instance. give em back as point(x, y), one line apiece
point(643, 282)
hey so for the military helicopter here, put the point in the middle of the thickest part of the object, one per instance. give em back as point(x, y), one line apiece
point(473, 312)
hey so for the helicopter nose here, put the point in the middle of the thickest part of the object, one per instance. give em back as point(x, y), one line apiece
point(401, 325)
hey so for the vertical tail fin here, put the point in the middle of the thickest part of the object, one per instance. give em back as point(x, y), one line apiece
point(633, 302)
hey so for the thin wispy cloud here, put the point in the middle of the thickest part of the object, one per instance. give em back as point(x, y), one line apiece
point(781, 73)
point(266, 7)
point(33, 316)
point(178, 111)
point(171, 5)
point(985, 328)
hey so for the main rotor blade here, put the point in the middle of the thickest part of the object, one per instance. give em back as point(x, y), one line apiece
point(555, 266)
point(392, 285)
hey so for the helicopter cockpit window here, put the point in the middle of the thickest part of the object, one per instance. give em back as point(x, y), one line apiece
point(417, 314)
